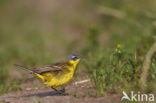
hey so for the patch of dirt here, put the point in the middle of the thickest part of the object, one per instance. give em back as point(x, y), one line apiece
point(35, 92)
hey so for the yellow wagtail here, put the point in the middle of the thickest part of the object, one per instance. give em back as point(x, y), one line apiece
point(58, 74)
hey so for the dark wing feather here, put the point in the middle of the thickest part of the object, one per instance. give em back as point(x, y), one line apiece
point(52, 67)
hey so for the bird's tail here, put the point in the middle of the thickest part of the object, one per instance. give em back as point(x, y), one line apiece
point(30, 71)
point(25, 68)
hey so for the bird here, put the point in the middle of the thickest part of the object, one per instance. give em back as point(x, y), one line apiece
point(58, 74)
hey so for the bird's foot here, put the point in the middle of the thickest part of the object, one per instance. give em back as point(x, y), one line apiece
point(61, 92)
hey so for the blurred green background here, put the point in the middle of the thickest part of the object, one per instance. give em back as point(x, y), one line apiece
point(36, 33)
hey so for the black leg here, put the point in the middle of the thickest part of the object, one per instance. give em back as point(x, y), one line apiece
point(60, 92)
point(57, 90)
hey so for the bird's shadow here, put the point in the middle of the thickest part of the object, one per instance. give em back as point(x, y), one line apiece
point(45, 94)
point(40, 94)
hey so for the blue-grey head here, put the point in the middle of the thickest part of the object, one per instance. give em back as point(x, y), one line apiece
point(73, 57)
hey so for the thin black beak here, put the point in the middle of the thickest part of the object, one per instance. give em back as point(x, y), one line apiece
point(80, 57)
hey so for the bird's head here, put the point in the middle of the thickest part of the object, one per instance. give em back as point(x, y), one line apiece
point(73, 58)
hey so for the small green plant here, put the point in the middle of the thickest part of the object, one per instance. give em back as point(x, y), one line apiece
point(75, 95)
point(4, 88)
point(15, 86)
point(117, 71)
point(3, 101)
point(36, 101)
point(88, 93)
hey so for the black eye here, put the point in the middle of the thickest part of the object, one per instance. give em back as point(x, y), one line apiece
point(74, 57)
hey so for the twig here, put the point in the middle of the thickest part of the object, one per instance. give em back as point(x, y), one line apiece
point(146, 65)
point(83, 81)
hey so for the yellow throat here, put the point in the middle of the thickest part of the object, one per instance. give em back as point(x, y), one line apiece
point(74, 63)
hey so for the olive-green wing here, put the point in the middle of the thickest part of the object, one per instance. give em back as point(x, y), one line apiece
point(53, 67)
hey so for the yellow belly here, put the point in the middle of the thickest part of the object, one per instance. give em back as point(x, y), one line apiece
point(56, 80)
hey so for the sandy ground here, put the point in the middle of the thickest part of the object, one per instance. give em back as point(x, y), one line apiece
point(35, 92)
